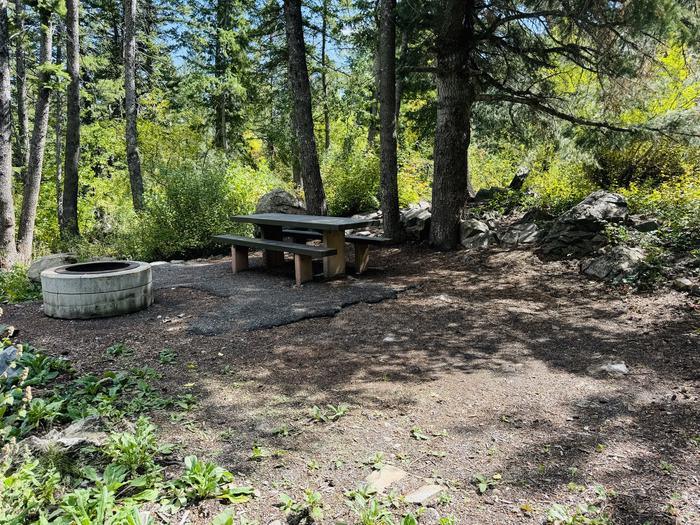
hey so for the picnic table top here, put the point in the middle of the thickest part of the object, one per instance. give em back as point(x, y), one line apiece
point(317, 222)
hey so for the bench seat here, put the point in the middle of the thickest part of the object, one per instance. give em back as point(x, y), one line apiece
point(360, 242)
point(303, 253)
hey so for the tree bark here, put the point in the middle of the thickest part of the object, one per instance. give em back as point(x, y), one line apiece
point(373, 108)
point(58, 130)
point(37, 146)
point(452, 132)
point(8, 250)
point(21, 89)
point(303, 119)
point(69, 225)
point(223, 10)
point(403, 50)
point(387, 117)
point(133, 158)
point(324, 81)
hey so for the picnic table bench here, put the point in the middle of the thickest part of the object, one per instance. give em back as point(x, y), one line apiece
point(276, 226)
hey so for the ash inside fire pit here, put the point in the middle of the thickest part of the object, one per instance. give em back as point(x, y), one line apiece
point(97, 267)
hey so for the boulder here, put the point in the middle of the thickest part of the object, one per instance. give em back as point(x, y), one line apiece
point(47, 262)
point(8, 356)
point(474, 233)
point(416, 221)
point(519, 178)
point(616, 263)
point(521, 233)
point(280, 201)
point(579, 231)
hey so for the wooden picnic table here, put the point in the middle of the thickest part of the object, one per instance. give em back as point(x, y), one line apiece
point(332, 229)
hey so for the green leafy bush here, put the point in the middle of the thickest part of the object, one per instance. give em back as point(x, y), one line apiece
point(351, 182)
point(16, 287)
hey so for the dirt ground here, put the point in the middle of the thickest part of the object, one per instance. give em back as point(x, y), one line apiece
point(489, 354)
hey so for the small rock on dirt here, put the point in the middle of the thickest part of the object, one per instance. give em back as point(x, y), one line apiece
point(609, 369)
point(528, 233)
point(385, 476)
point(49, 261)
point(475, 234)
point(683, 284)
point(616, 263)
point(424, 494)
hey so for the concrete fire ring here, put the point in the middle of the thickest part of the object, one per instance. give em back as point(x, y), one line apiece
point(97, 289)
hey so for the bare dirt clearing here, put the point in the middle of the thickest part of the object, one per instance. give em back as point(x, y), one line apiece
point(469, 364)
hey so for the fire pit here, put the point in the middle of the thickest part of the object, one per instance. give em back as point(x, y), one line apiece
point(96, 289)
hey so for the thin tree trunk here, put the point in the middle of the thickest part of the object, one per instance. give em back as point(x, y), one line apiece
point(452, 132)
point(21, 88)
point(324, 81)
point(58, 130)
point(8, 250)
point(221, 125)
point(374, 106)
point(387, 117)
point(69, 226)
point(400, 76)
point(303, 118)
point(133, 158)
point(37, 146)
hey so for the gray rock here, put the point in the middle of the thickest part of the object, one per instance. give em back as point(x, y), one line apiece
point(524, 233)
point(683, 284)
point(643, 224)
point(519, 178)
point(7, 357)
point(82, 433)
point(381, 479)
point(280, 201)
point(616, 263)
point(609, 369)
point(49, 261)
point(416, 221)
point(474, 233)
point(579, 231)
point(424, 494)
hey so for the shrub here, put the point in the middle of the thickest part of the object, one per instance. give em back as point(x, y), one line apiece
point(191, 203)
point(16, 287)
point(351, 182)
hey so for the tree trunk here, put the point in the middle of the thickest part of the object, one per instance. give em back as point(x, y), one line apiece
point(221, 125)
point(133, 158)
point(58, 130)
point(37, 146)
point(452, 131)
point(8, 252)
point(69, 226)
point(324, 82)
point(387, 117)
point(21, 88)
point(303, 118)
point(403, 49)
point(373, 108)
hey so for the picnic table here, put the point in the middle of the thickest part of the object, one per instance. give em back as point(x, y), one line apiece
point(332, 230)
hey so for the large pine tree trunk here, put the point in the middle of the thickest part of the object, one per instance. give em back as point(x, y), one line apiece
point(387, 117)
point(303, 119)
point(133, 158)
point(373, 108)
point(37, 146)
point(8, 252)
point(452, 132)
point(21, 87)
point(69, 226)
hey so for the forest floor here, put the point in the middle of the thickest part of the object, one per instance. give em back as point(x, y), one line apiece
point(460, 364)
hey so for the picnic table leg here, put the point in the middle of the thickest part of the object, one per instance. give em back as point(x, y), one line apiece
point(303, 269)
point(272, 258)
point(361, 257)
point(335, 264)
point(239, 258)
